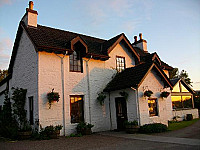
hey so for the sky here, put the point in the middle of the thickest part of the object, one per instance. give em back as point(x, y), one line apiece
point(171, 27)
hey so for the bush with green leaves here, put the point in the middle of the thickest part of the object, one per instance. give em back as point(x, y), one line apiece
point(189, 117)
point(8, 123)
point(45, 133)
point(153, 128)
point(134, 123)
point(82, 126)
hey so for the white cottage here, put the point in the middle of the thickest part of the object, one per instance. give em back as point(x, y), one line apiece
point(79, 67)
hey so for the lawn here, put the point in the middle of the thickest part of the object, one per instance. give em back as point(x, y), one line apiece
point(179, 125)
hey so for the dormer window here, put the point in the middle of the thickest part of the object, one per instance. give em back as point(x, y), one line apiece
point(120, 63)
point(76, 63)
point(80, 50)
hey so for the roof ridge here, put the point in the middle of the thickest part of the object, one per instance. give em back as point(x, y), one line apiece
point(118, 35)
point(78, 34)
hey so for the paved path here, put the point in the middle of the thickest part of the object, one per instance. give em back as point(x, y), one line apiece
point(192, 132)
point(186, 136)
point(154, 138)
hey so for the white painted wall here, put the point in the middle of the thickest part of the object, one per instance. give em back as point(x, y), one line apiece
point(25, 71)
point(181, 114)
point(2, 96)
point(131, 106)
point(100, 73)
point(153, 82)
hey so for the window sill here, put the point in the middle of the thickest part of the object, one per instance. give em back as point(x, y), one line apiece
point(153, 116)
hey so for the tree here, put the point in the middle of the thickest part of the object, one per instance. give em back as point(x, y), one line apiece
point(183, 74)
point(173, 73)
point(3, 74)
point(197, 100)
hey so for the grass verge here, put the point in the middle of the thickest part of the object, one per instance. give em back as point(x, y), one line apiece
point(179, 125)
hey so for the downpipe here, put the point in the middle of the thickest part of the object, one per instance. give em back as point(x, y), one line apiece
point(88, 86)
point(63, 90)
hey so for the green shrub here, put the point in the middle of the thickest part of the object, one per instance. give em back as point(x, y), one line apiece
point(153, 128)
point(134, 123)
point(189, 117)
point(75, 135)
point(83, 126)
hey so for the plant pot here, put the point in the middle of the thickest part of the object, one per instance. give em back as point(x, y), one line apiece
point(87, 131)
point(24, 134)
point(132, 129)
point(55, 134)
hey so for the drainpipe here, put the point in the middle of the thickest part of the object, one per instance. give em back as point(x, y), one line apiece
point(63, 90)
point(88, 86)
point(110, 112)
point(137, 104)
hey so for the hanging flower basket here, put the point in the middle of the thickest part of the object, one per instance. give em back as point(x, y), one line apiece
point(164, 94)
point(53, 96)
point(148, 93)
point(101, 97)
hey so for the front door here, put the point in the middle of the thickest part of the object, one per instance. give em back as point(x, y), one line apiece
point(121, 111)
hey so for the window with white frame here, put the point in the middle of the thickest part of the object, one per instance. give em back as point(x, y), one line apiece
point(120, 63)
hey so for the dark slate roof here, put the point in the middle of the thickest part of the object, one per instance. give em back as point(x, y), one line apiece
point(174, 81)
point(146, 57)
point(111, 41)
point(59, 41)
point(140, 51)
point(43, 36)
point(166, 66)
point(130, 77)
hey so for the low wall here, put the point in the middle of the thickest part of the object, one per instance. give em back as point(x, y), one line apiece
point(181, 114)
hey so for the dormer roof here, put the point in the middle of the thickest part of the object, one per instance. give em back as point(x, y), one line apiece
point(134, 76)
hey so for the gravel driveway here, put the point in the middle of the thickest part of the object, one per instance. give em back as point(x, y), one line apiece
point(97, 141)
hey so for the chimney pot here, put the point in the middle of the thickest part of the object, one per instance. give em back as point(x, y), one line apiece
point(140, 35)
point(135, 37)
point(31, 5)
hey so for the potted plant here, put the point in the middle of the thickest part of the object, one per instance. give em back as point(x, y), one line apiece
point(101, 97)
point(52, 96)
point(84, 128)
point(57, 129)
point(148, 93)
point(164, 94)
point(131, 126)
point(52, 131)
point(25, 131)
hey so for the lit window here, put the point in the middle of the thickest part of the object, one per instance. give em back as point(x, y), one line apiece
point(181, 102)
point(120, 63)
point(153, 110)
point(76, 105)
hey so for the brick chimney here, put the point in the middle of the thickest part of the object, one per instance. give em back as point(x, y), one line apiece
point(30, 17)
point(142, 44)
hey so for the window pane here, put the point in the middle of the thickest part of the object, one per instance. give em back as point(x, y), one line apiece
point(187, 101)
point(75, 62)
point(153, 107)
point(76, 109)
point(120, 63)
point(176, 102)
